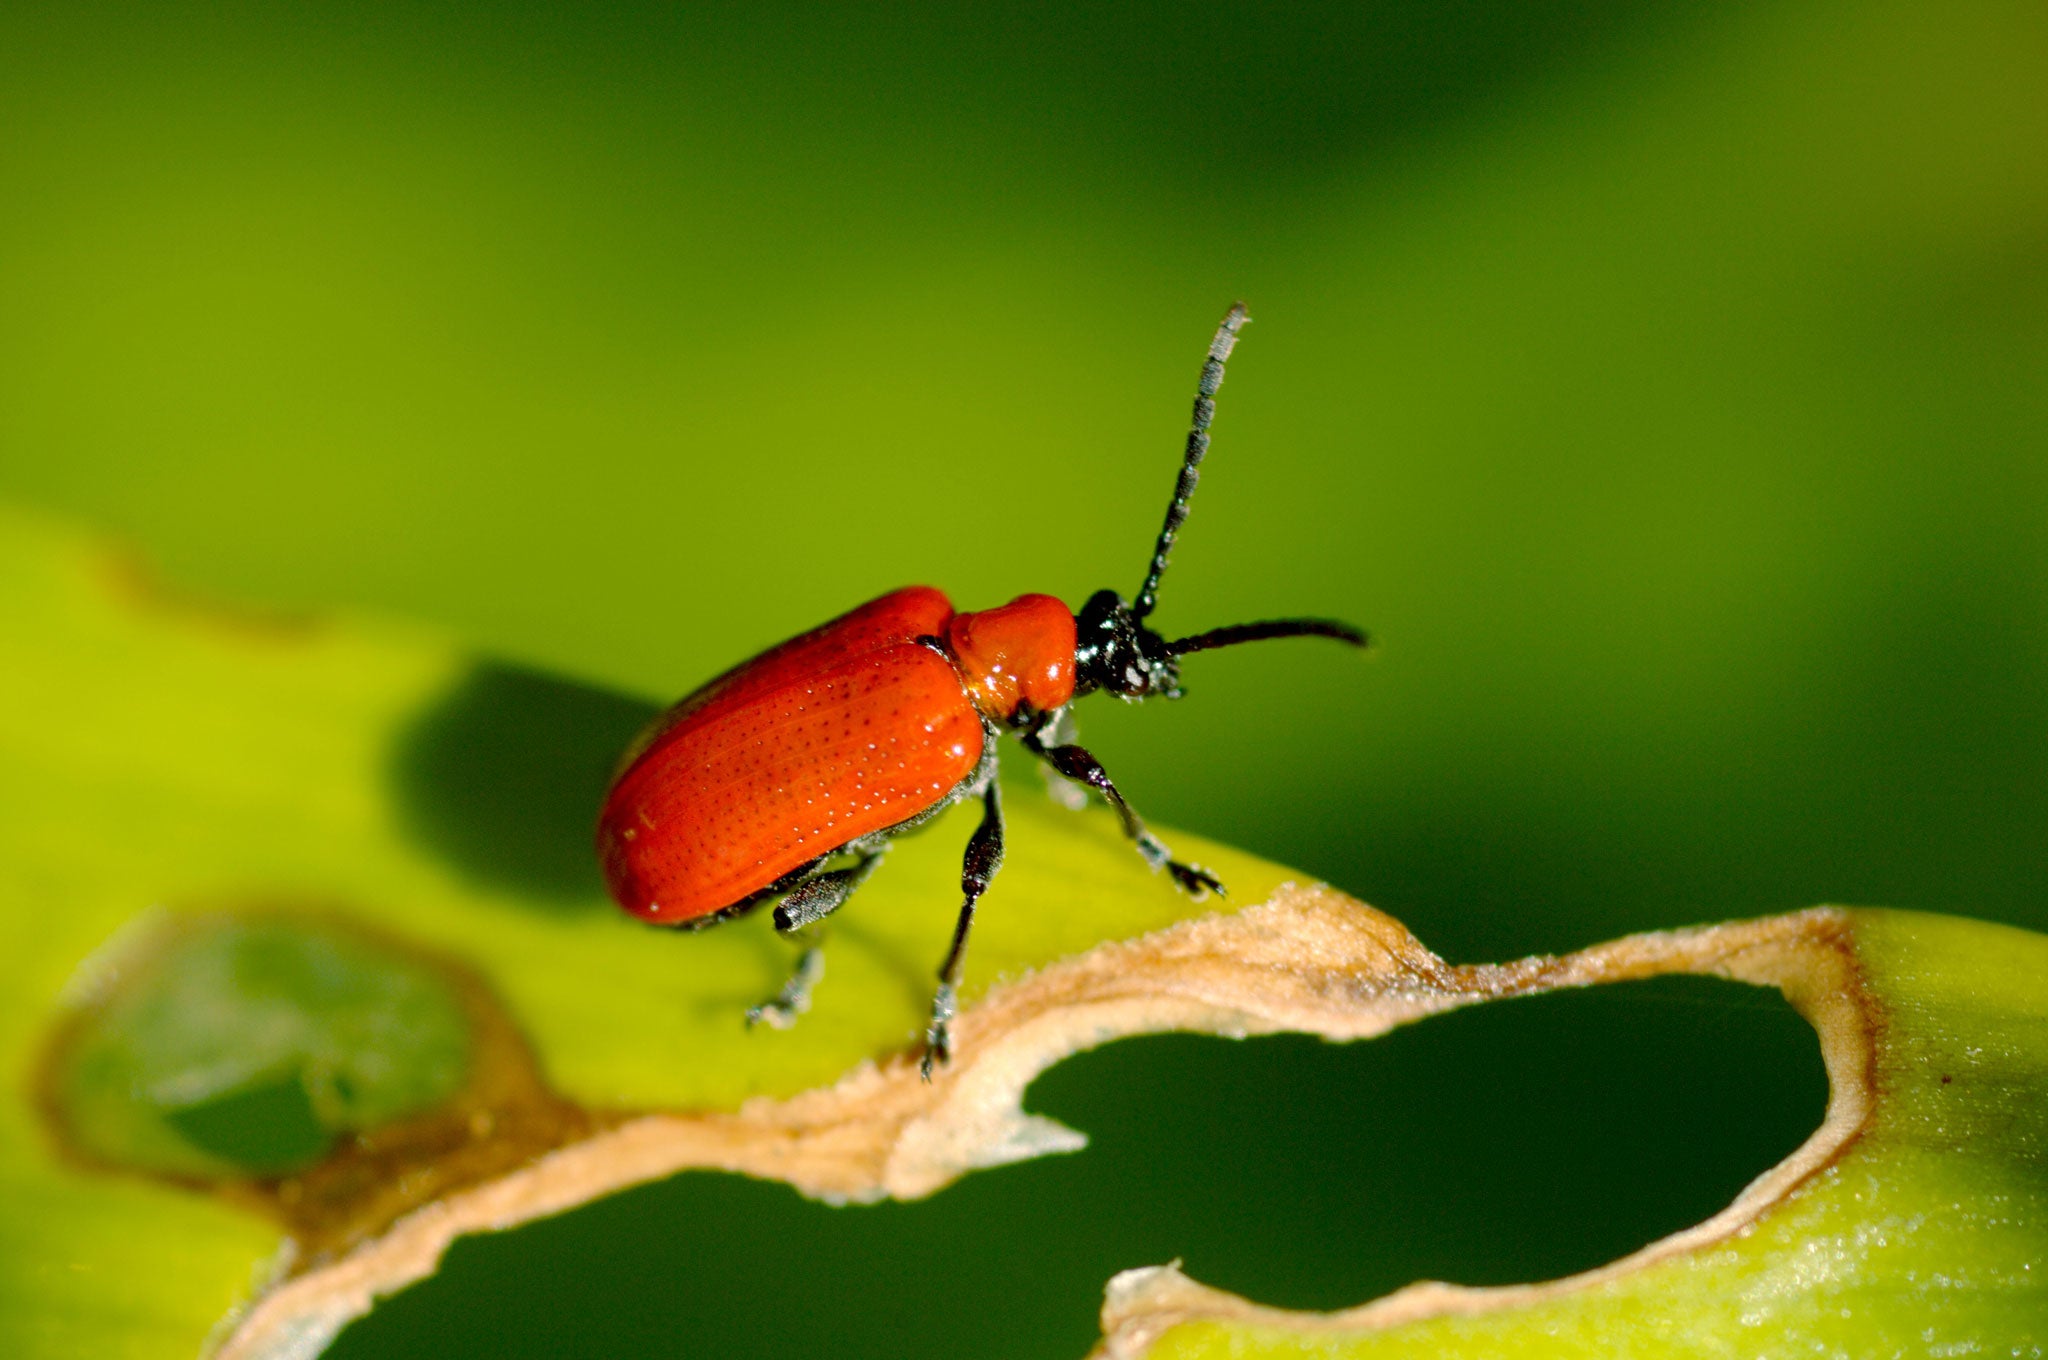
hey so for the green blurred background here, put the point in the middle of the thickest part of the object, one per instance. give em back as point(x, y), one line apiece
point(1665, 385)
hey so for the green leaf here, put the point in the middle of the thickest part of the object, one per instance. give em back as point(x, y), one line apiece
point(373, 823)
point(308, 972)
point(1915, 1221)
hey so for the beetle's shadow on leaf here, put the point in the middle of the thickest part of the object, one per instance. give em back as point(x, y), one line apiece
point(503, 776)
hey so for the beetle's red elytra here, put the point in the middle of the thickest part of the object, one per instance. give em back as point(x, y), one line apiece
point(824, 748)
point(841, 734)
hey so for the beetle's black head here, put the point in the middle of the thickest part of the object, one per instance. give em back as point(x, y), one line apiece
point(1116, 653)
point(1114, 649)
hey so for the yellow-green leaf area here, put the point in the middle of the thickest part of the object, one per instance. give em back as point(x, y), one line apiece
point(162, 755)
point(169, 759)
point(1928, 1235)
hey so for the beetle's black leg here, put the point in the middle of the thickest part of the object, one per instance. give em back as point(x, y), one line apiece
point(1057, 729)
point(984, 856)
point(1076, 764)
point(810, 902)
point(818, 896)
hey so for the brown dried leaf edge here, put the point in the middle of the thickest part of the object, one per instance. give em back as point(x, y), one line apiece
point(1308, 960)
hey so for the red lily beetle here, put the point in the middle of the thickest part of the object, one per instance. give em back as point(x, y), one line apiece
point(826, 747)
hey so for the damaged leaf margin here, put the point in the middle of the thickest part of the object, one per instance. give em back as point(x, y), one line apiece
point(1307, 960)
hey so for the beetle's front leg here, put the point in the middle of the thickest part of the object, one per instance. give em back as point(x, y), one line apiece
point(1078, 765)
point(984, 856)
point(810, 902)
point(1057, 729)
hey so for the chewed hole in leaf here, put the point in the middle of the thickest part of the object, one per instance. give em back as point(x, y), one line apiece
point(1515, 1141)
point(270, 1129)
point(335, 1077)
point(225, 1046)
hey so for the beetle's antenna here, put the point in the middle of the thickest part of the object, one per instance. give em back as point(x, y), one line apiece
point(1271, 628)
point(1191, 463)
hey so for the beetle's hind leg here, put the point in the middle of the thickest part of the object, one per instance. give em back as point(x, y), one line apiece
point(810, 902)
point(818, 896)
point(984, 856)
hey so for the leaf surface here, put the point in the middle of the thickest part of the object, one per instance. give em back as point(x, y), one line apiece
point(308, 972)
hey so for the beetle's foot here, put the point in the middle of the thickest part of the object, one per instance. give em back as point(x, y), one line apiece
point(795, 997)
point(776, 1014)
point(1193, 879)
point(938, 1040)
point(1196, 881)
